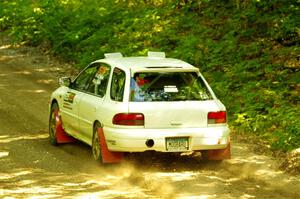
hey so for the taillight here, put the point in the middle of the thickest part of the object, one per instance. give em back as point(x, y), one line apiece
point(216, 117)
point(129, 119)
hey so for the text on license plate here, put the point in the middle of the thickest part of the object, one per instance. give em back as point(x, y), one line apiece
point(177, 144)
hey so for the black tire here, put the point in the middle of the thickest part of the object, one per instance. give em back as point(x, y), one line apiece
point(96, 146)
point(205, 156)
point(53, 124)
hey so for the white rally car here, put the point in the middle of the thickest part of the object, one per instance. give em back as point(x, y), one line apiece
point(134, 104)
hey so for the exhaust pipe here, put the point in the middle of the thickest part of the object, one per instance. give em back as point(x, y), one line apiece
point(149, 143)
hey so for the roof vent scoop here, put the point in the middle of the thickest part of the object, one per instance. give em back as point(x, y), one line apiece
point(156, 54)
point(113, 55)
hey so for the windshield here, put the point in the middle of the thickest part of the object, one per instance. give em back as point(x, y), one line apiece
point(170, 86)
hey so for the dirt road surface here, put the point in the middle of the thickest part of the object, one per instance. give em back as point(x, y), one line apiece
point(31, 168)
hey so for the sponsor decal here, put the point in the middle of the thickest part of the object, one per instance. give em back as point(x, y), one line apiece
point(68, 100)
point(69, 97)
point(67, 107)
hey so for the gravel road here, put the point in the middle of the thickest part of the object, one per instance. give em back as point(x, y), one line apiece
point(32, 168)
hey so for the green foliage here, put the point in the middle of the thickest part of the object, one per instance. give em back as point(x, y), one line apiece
point(248, 50)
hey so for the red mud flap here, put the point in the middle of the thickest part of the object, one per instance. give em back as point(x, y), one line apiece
point(108, 156)
point(61, 136)
point(219, 154)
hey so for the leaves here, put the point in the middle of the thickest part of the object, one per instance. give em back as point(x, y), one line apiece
point(248, 50)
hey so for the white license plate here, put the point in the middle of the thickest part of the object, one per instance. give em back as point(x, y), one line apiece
point(177, 144)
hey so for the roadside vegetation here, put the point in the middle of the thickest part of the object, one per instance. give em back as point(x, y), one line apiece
point(247, 49)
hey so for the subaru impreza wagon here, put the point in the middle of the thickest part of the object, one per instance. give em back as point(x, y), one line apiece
point(135, 104)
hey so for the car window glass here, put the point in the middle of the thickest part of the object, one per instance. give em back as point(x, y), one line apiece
point(117, 85)
point(84, 78)
point(176, 86)
point(99, 82)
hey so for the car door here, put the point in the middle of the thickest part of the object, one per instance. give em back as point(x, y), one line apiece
point(117, 99)
point(92, 100)
point(72, 99)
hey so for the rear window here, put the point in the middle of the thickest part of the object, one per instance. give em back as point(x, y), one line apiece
point(179, 86)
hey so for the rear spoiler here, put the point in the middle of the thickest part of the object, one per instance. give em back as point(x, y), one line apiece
point(151, 54)
point(156, 54)
point(113, 55)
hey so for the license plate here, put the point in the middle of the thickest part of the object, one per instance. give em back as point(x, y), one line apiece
point(177, 144)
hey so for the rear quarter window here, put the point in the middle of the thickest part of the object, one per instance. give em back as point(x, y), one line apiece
point(117, 85)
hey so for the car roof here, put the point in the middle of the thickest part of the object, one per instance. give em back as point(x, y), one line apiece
point(148, 62)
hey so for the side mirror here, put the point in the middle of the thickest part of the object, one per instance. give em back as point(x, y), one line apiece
point(64, 81)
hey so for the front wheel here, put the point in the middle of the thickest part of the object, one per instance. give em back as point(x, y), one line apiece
point(96, 144)
point(53, 123)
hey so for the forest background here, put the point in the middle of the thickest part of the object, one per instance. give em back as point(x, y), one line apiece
point(248, 50)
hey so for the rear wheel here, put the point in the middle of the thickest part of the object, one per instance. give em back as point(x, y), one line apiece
point(96, 144)
point(217, 154)
point(53, 122)
point(204, 155)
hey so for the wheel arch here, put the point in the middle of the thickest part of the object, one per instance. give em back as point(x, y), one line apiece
point(95, 123)
point(54, 101)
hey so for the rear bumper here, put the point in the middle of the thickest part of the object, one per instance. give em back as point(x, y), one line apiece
point(134, 140)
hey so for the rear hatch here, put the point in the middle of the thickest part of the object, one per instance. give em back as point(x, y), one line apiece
point(171, 99)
